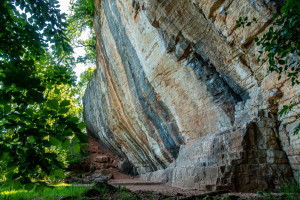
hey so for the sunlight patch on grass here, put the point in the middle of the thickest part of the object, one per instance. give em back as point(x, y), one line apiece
point(10, 192)
point(59, 190)
point(61, 184)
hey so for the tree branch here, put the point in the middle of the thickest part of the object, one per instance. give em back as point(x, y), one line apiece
point(84, 45)
point(4, 141)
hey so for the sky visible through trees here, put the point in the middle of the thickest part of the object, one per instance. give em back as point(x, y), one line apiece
point(80, 67)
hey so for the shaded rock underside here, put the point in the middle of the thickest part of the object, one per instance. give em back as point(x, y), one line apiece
point(178, 93)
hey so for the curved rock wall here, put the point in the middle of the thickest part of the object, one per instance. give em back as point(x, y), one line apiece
point(178, 92)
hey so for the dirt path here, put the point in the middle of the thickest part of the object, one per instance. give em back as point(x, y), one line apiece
point(136, 184)
point(156, 188)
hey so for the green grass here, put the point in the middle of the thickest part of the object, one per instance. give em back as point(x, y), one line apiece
point(48, 194)
point(288, 192)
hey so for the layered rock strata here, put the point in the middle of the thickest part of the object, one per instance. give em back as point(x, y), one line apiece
point(179, 94)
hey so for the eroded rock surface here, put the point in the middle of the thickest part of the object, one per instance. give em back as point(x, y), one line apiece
point(178, 93)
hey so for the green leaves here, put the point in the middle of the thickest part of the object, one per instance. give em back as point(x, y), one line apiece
point(82, 20)
point(82, 125)
point(66, 144)
point(56, 91)
point(64, 107)
point(243, 21)
point(29, 186)
point(63, 110)
point(54, 141)
point(59, 173)
point(281, 62)
point(286, 109)
point(40, 187)
point(52, 104)
point(37, 96)
point(65, 103)
point(17, 185)
point(281, 45)
point(76, 148)
point(4, 155)
point(82, 138)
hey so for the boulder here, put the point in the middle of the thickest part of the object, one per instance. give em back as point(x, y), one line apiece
point(102, 159)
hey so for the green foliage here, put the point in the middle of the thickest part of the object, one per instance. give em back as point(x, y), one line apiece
point(266, 195)
point(89, 47)
point(83, 13)
point(124, 194)
point(280, 46)
point(122, 189)
point(227, 197)
point(286, 109)
point(44, 17)
point(75, 161)
point(53, 193)
point(80, 24)
point(38, 120)
point(81, 21)
point(102, 188)
point(85, 77)
point(283, 41)
point(289, 191)
point(244, 22)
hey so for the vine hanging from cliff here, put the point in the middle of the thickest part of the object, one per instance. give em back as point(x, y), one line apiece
point(280, 46)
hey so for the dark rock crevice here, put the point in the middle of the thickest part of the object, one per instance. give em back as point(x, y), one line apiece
point(221, 92)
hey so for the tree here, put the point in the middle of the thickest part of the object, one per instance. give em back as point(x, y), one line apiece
point(80, 21)
point(36, 118)
point(85, 77)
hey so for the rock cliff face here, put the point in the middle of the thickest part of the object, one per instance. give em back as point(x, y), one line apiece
point(178, 92)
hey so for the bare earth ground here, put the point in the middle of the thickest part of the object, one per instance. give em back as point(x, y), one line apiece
point(156, 188)
point(137, 185)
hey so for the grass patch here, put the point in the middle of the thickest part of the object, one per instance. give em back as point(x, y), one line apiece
point(59, 190)
point(288, 192)
point(125, 195)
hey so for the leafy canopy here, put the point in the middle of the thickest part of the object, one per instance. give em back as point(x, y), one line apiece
point(38, 123)
point(81, 21)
